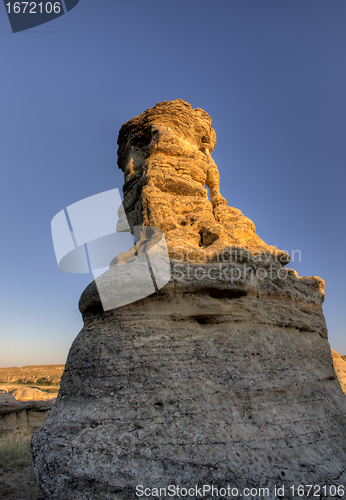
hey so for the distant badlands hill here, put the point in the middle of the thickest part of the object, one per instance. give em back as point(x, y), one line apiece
point(340, 369)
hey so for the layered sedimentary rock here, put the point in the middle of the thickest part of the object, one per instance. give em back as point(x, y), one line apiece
point(222, 377)
point(340, 369)
point(21, 419)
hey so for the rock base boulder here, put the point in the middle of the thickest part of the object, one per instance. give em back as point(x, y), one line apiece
point(21, 419)
point(192, 386)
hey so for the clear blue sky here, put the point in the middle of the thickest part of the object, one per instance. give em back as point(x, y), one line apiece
point(271, 74)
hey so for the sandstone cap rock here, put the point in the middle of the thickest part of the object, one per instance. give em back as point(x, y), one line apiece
point(165, 154)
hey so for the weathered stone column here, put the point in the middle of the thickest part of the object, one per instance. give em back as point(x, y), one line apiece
point(224, 377)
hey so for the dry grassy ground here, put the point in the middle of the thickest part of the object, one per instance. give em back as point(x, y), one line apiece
point(33, 374)
point(16, 480)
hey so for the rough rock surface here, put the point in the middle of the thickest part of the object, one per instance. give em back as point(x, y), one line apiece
point(7, 398)
point(223, 377)
point(33, 373)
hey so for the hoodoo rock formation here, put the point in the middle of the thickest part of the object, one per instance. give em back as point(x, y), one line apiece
point(165, 156)
point(21, 419)
point(224, 377)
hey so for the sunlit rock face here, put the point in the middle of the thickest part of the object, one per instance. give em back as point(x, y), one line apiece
point(20, 419)
point(222, 377)
point(165, 154)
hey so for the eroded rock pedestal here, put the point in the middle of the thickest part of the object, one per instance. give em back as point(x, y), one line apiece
point(223, 377)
